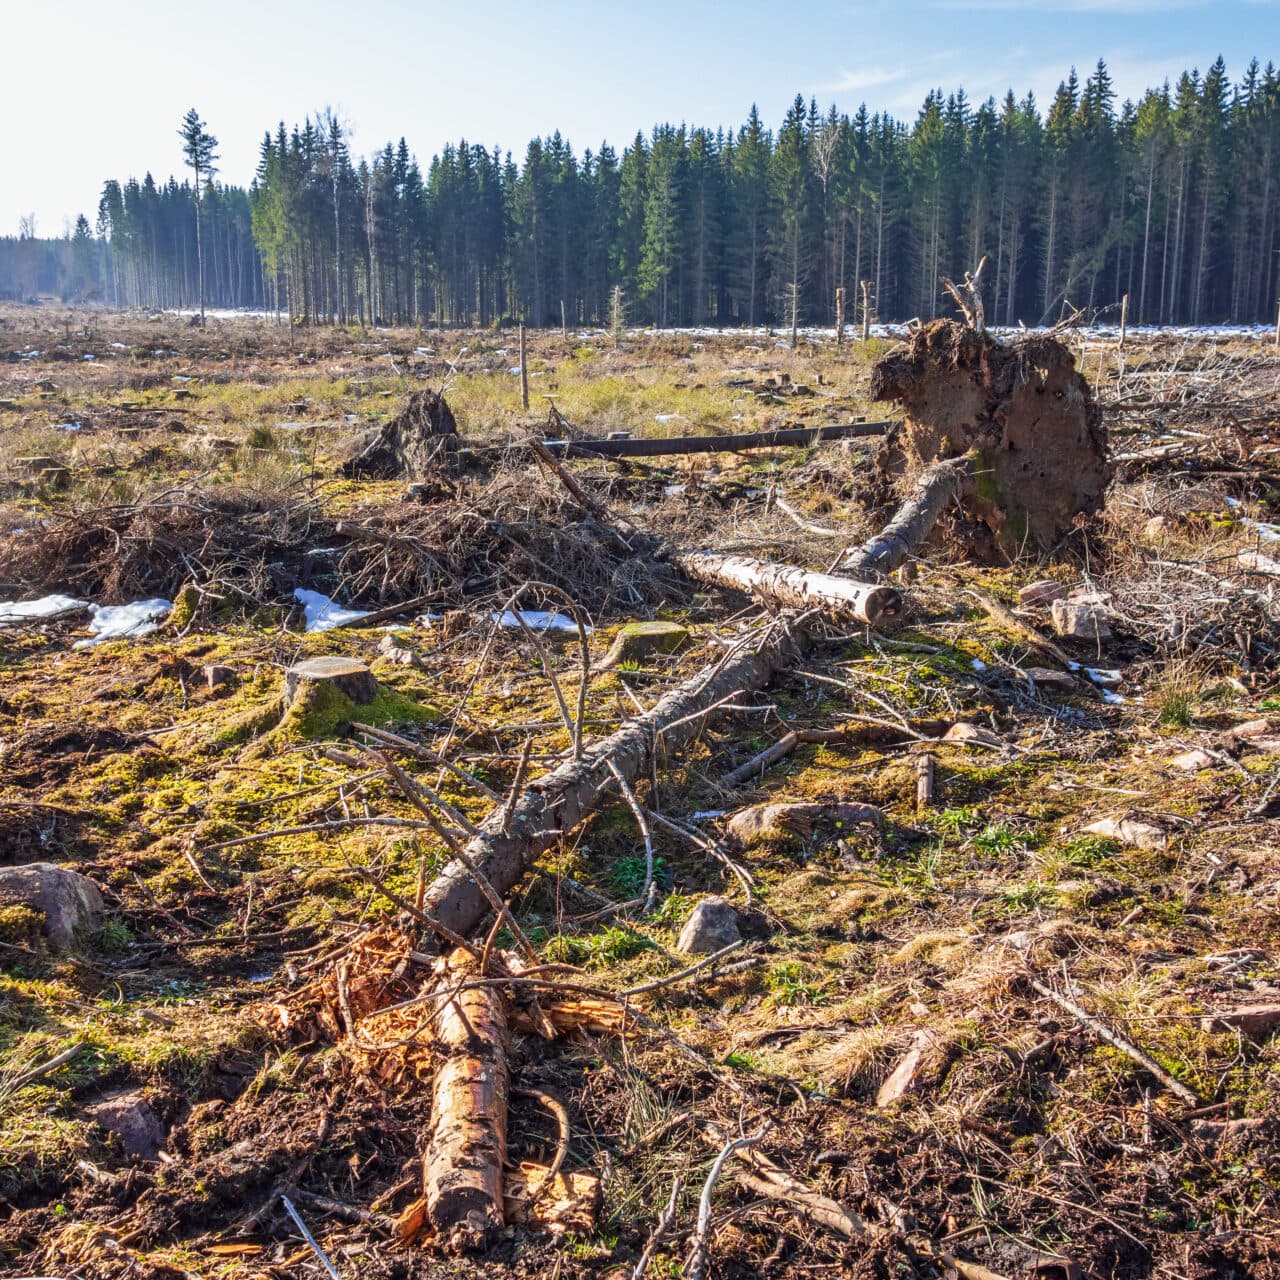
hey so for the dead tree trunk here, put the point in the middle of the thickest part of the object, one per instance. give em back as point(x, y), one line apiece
point(791, 587)
point(467, 1141)
point(557, 802)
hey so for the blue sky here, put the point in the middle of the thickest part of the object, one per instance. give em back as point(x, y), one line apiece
point(91, 90)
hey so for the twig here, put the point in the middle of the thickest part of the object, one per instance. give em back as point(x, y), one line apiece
point(307, 1236)
point(666, 1220)
point(337, 824)
point(695, 1266)
point(35, 1073)
point(647, 890)
point(510, 807)
point(557, 1109)
point(1116, 1041)
point(705, 963)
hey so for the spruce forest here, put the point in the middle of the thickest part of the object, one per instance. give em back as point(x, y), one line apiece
point(1171, 200)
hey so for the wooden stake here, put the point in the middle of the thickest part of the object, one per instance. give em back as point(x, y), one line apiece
point(924, 782)
point(564, 326)
point(1124, 319)
point(840, 316)
point(866, 310)
point(524, 372)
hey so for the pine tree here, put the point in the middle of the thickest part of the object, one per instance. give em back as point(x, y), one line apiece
point(198, 148)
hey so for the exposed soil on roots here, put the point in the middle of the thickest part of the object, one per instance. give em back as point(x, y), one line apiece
point(1025, 408)
point(412, 443)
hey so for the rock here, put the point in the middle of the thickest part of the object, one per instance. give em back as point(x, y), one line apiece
point(1046, 591)
point(639, 640)
point(1216, 1130)
point(903, 1078)
point(712, 926)
point(1080, 620)
point(1130, 831)
point(1259, 735)
point(348, 675)
point(1193, 761)
point(972, 735)
point(1256, 1020)
point(1042, 676)
point(128, 1115)
point(396, 653)
point(776, 821)
point(216, 675)
point(1156, 529)
point(71, 903)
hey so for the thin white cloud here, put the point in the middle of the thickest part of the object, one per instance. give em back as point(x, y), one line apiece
point(857, 81)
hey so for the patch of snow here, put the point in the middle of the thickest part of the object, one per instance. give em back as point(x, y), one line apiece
point(514, 371)
point(673, 490)
point(977, 664)
point(1103, 675)
point(121, 621)
point(424, 351)
point(90, 356)
point(666, 417)
point(1267, 532)
point(68, 426)
point(45, 607)
point(31, 355)
point(181, 377)
point(1113, 698)
point(324, 614)
point(536, 620)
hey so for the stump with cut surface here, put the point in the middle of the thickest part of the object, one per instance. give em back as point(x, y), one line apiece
point(413, 444)
point(348, 676)
point(1025, 409)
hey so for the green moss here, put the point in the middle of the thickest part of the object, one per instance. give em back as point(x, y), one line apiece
point(20, 925)
point(325, 712)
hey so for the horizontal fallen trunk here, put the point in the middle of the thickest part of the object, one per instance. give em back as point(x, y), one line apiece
point(663, 446)
point(467, 1141)
point(556, 803)
point(791, 587)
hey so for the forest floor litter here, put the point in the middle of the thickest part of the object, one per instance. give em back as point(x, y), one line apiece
point(430, 847)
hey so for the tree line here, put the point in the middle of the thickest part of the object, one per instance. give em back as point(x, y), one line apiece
point(1172, 200)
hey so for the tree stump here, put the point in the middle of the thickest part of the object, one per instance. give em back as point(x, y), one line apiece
point(347, 676)
point(1026, 410)
point(413, 445)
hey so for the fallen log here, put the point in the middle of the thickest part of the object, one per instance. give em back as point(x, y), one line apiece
point(467, 1140)
point(556, 803)
point(664, 446)
point(791, 587)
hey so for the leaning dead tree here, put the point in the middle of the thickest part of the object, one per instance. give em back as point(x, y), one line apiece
point(556, 803)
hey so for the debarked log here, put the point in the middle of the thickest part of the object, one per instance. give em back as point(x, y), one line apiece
point(556, 803)
point(467, 1141)
point(790, 586)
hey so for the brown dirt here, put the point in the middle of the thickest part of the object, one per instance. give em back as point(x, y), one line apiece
point(1026, 409)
